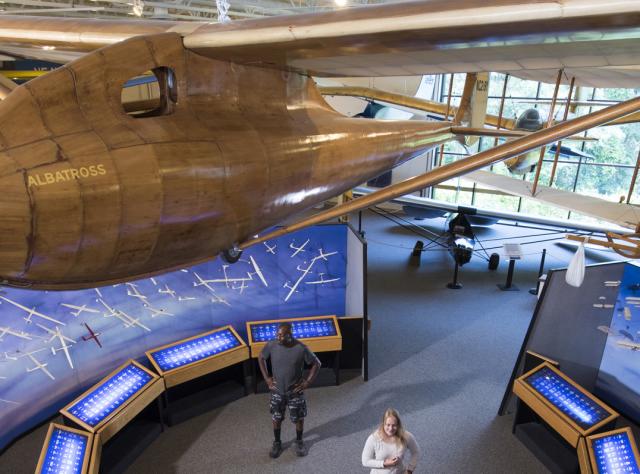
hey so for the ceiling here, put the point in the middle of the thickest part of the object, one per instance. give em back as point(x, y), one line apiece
point(197, 10)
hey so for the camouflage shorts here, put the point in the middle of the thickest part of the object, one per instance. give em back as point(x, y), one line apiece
point(295, 401)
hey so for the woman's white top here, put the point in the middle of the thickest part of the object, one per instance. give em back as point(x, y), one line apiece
point(376, 450)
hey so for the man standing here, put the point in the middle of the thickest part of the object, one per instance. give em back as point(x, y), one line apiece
point(287, 385)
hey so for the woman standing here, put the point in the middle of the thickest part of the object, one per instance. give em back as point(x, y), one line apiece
point(386, 448)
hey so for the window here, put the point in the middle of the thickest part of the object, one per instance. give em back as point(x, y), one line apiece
point(151, 94)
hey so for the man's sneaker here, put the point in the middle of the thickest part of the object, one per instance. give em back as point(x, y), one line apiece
point(276, 449)
point(301, 448)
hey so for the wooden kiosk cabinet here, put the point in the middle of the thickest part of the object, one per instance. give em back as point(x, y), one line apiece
point(199, 355)
point(553, 413)
point(611, 452)
point(563, 404)
point(319, 333)
point(65, 450)
point(109, 405)
point(115, 405)
point(198, 372)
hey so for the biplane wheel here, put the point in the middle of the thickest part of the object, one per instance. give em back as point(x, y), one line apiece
point(231, 255)
point(494, 260)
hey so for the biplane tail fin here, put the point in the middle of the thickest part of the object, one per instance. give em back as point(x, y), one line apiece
point(472, 111)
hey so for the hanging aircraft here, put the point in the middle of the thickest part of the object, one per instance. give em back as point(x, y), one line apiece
point(240, 138)
point(529, 121)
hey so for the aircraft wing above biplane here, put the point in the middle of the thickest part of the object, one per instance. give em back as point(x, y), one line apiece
point(624, 215)
point(594, 41)
point(440, 208)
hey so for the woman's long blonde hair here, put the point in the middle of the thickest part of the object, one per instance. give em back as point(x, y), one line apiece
point(400, 433)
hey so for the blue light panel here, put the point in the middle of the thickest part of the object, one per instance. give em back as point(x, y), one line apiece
point(188, 352)
point(614, 455)
point(566, 398)
point(301, 329)
point(107, 397)
point(65, 453)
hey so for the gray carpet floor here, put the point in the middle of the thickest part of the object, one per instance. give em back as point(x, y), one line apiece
point(441, 357)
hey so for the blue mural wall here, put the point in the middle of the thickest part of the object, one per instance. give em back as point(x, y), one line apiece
point(53, 345)
point(618, 380)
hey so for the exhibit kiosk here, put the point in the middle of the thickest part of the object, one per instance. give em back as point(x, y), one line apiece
point(65, 450)
point(589, 332)
point(563, 404)
point(195, 356)
point(110, 404)
point(198, 370)
point(611, 452)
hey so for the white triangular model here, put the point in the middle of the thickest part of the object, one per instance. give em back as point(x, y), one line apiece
point(576, 268)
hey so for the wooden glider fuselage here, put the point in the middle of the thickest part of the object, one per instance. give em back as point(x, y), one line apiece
point(92, 195)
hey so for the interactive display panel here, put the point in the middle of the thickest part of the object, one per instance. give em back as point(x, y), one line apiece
point(113, 396)
point(320, 333)
point(195, 356)
point(584, 411)
point(614, 452)
point(65, 451)
point(301, 329)
point(568, 408)
point(107, 397)
point(193, 350)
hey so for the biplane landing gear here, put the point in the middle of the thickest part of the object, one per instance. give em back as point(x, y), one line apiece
point(231, 255)
point(454, 285)
point(494, 261)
